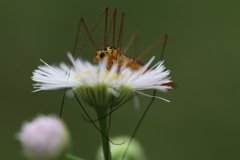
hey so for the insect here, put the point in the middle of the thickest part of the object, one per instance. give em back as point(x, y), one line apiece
point(114, 53)
point(112, 50)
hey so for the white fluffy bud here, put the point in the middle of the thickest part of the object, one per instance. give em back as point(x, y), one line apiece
point(44, 138)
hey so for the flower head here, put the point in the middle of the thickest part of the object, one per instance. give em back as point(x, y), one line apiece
point(98, 86)
point(45, 138)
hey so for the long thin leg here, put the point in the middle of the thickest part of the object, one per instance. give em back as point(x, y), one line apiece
point(154, 91)
point(136, 45)
point(93, 122)
point(109, 122)
point(105, 29)
point(114, 26)
point(81, 21)
point(62, 103)
point(120, 31)
point(90, 33)
point(111, 111)
point(110, 118)
point(132, 38)
point(110, 26)
point(76, 39)
point(151, 47)
point(139, 123)
point(164, 46)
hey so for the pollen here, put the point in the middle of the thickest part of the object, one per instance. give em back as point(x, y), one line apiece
point(79, 77)
point(114, 76)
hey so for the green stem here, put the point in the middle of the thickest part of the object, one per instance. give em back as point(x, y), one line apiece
point(103, 124)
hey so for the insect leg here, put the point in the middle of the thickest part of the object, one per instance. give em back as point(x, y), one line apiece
point(114, 26)
point(90, 33)
point(120, 31)
point(139, 123)
point(105, 29)
point(81, 21)
point(132, 38)
point(151, 47)
point(154, 91)
point(62, 103)
point(93, 122)
point(111, 111)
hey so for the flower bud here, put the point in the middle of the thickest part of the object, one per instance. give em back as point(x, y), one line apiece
point(134, 152)
point(44, 138)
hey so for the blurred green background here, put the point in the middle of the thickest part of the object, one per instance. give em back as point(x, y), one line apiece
point(202, 52)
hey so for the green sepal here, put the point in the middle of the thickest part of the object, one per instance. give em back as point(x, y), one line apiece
point(99, 96)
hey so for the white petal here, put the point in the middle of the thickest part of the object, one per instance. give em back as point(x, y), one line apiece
point(83, 73)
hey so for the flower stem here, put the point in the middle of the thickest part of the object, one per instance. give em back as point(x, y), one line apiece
point(103, 124)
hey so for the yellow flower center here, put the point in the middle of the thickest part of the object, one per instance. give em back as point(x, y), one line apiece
point(106, 74)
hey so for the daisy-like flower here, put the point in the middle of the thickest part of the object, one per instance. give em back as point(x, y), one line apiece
point(97, 86)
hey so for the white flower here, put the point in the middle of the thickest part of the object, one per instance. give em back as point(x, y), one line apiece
point(85, 78)
point(46, 137)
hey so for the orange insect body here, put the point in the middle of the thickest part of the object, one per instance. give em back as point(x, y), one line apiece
point(116, 56)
